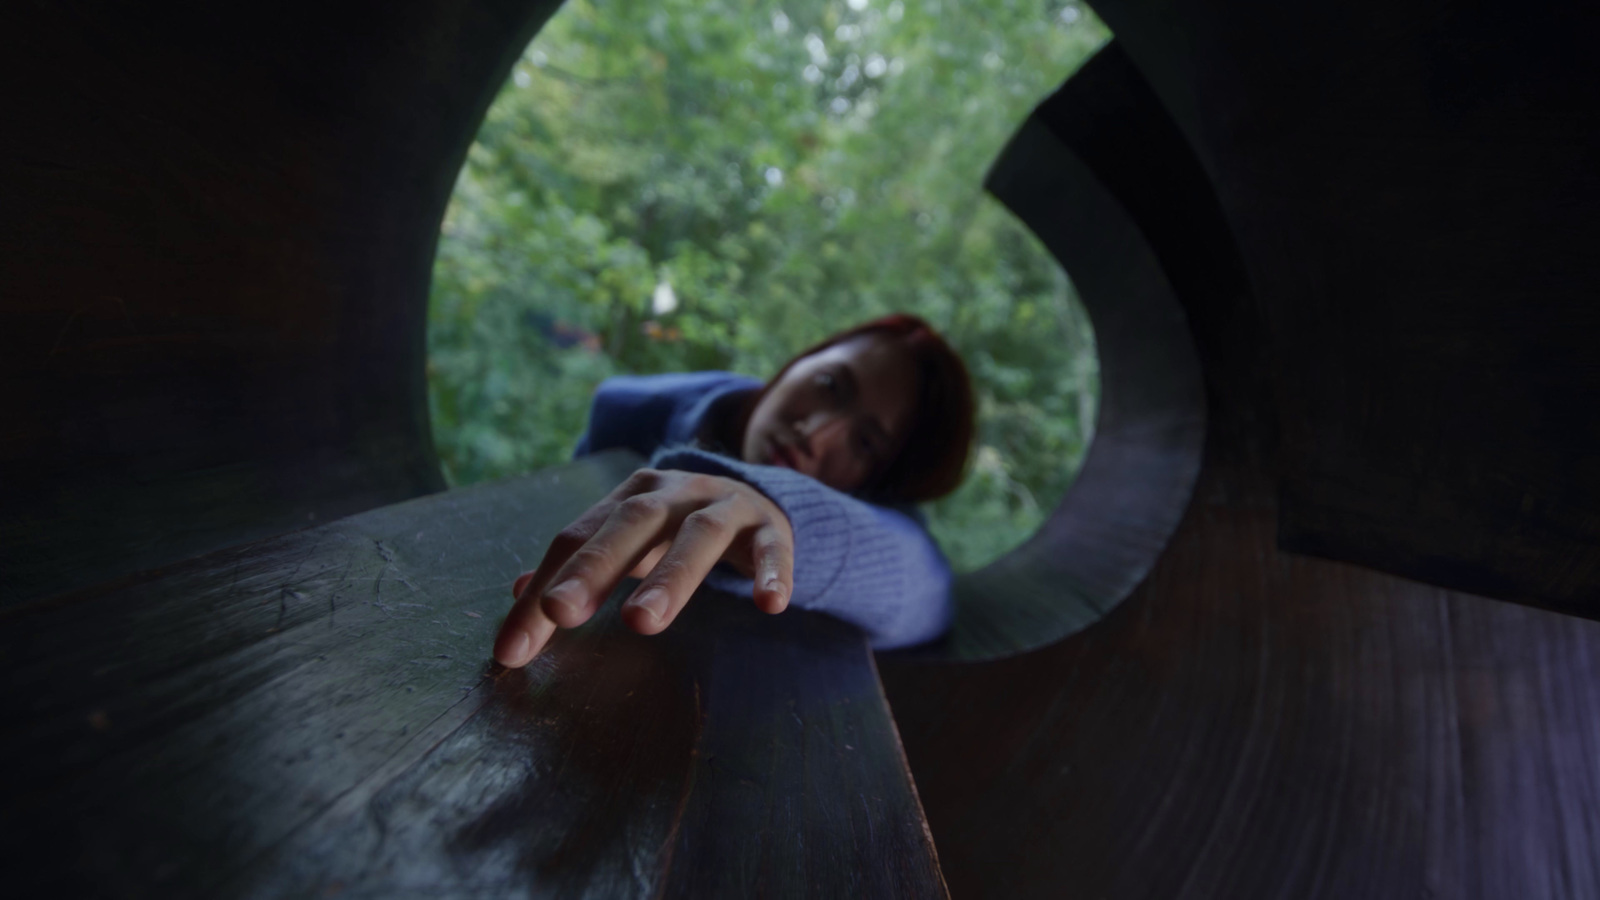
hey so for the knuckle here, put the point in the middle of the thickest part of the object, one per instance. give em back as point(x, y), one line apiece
point(778, 554)
point(702, 484)
point(589, 558)
point(664, 576)
point(706, 523)
point(769, 539)
point(754, 509)
point(568, 539)
point(641, 508)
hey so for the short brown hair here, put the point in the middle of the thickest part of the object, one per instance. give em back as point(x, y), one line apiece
point(934, 455)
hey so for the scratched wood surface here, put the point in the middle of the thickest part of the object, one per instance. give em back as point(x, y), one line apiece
point(317, 714)
point(1252, 723)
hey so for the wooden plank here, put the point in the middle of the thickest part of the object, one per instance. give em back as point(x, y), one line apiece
point(317, 714)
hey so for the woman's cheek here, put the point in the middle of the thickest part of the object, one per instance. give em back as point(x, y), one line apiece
point(842, 476)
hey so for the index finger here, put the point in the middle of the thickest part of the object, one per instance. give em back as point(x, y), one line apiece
point(526, 628)
point(523, 633)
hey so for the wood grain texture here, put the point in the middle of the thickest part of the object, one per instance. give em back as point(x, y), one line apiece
point(1256, 724)
point(317, 714)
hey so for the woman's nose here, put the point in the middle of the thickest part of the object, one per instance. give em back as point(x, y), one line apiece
point(823, 431)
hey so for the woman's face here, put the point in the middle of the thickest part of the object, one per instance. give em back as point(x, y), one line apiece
point(840, 415)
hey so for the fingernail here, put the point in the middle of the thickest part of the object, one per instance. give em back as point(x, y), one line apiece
point(568, 594)
point(775, 585)
point(653, 601)
point(516, 650)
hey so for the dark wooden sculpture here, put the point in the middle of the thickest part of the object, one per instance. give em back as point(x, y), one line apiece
point(1114, 522)
point(315, 715)
point(216, 236)
point(1375, 222)
point(1253, 722)
point(1412, 188)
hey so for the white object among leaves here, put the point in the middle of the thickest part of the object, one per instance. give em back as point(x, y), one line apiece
point(664, 300)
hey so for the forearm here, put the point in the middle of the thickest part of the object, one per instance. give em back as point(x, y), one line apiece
point(867, 565)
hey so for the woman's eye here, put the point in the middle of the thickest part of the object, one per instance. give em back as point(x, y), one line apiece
point(864, 443)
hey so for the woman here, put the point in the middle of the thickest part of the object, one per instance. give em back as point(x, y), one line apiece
point(793, 484)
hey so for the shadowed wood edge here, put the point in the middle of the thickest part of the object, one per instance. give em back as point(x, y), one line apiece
point(1140, 471)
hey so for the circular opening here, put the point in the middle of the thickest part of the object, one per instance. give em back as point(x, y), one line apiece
point(689, 186)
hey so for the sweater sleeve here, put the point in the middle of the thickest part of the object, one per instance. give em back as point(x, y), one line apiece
point(626, 413)
point(868, 565)
point(644, 412)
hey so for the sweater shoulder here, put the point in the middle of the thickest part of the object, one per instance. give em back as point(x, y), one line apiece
point(643, 412)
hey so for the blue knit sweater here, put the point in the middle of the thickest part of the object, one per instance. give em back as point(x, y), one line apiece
point(868, 565)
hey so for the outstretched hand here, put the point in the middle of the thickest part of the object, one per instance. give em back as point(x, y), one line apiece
point(667, 527)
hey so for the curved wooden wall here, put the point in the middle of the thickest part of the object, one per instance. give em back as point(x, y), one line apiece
point(216, 236)
point(1108, 530)
point(217, 227)
point(1401, 379)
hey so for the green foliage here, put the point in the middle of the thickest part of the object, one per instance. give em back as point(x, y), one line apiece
point(788, 172)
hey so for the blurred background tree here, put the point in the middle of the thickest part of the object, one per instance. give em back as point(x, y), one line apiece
point(678, 185)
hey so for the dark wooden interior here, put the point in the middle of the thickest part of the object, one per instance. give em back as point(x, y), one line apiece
point(1137, 479)
point(313, 714)
point(1358, 658)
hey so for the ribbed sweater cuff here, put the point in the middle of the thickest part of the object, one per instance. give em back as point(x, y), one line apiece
point(845, 563)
